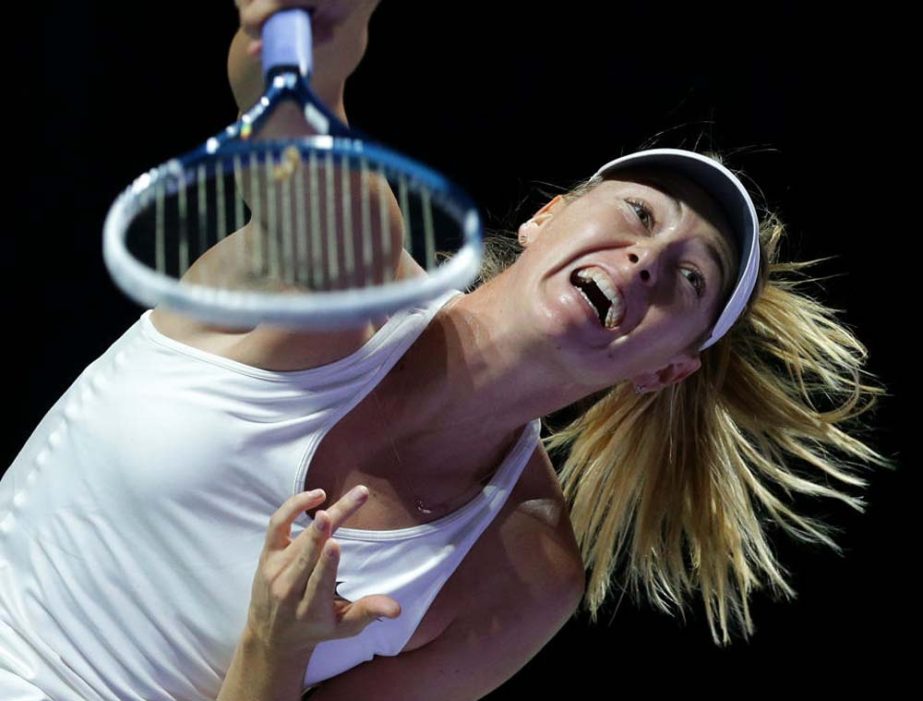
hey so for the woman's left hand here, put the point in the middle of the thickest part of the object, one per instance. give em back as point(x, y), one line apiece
point(293, 606)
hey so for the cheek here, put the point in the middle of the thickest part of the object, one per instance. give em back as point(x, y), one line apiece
point(663, 335)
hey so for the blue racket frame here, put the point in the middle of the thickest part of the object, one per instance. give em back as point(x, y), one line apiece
point(287, 53)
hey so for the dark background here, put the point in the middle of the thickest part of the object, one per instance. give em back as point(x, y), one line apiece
point(502, 97)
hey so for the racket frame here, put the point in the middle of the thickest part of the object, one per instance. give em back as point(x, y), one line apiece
point(318, 309)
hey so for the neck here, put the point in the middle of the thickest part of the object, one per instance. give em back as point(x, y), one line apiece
point(474, 378)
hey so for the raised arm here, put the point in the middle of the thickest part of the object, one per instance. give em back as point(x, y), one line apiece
point(340, 33)
point(340, 39)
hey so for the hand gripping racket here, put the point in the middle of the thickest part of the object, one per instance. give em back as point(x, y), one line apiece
point(300, 232)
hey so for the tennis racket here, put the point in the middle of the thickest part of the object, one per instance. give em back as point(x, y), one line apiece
point(299, 232)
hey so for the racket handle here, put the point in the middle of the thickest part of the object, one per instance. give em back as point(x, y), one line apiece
point(287, 42)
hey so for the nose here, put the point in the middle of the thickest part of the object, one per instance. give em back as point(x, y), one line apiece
point(644, 261)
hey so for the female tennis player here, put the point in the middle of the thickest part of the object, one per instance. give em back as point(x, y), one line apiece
point(162, 539)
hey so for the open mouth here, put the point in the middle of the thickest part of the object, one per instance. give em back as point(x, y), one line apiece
point(599, 291)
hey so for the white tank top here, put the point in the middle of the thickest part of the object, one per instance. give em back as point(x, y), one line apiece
point(132, 520)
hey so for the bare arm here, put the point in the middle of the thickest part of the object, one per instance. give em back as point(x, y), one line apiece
point(524, 586)
point(473, 657)
point(255, 673)
point(335, 60)
point(465, 664)
point(339, 46)
point(338, 50)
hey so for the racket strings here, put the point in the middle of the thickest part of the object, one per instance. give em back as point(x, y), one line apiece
point(286, 221)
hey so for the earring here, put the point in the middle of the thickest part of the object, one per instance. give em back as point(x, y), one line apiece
point(523, 238)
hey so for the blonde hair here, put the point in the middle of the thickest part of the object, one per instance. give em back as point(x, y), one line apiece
point(682, 484)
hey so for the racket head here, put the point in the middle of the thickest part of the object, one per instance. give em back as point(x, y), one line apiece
point(301, 232)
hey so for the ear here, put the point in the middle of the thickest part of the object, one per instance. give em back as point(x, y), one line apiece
point(528, 229)
point(681, 367)
point(548, 209)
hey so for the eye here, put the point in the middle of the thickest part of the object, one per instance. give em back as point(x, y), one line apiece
point(698, 281)
point(643, 211)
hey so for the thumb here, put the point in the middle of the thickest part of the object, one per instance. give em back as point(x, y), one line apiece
point(255, 48)
point(368, 609)
point(380, 605)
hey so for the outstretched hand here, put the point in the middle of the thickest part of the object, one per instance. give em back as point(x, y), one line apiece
point(326, 17)
point(293, 606)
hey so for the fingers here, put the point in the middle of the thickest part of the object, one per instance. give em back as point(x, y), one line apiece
point(294, 595)
point(347, 506)
point(327, 17)
point(254, 48)
point(320, 590)
point(280, 523)
point(307, 547)
point(367, 609)
point(379, 605)
point(254, 13)
point(320, 580)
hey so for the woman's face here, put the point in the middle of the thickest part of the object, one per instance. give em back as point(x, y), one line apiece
point(668, 258)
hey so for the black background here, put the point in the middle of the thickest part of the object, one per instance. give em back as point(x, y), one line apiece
point(501, 97)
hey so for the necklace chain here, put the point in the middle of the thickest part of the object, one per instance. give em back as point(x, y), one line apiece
point(418, 502)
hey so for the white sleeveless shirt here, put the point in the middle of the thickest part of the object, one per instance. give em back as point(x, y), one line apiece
point(132, 520)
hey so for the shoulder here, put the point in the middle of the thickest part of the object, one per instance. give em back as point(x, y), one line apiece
point(529, 547)
point(538, 520)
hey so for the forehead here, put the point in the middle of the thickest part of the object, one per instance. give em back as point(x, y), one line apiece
point(674, 184)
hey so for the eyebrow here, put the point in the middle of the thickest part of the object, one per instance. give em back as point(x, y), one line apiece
point(725, 276)
point(678, 210)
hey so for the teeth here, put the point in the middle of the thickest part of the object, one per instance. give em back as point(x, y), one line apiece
point(605, 286)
